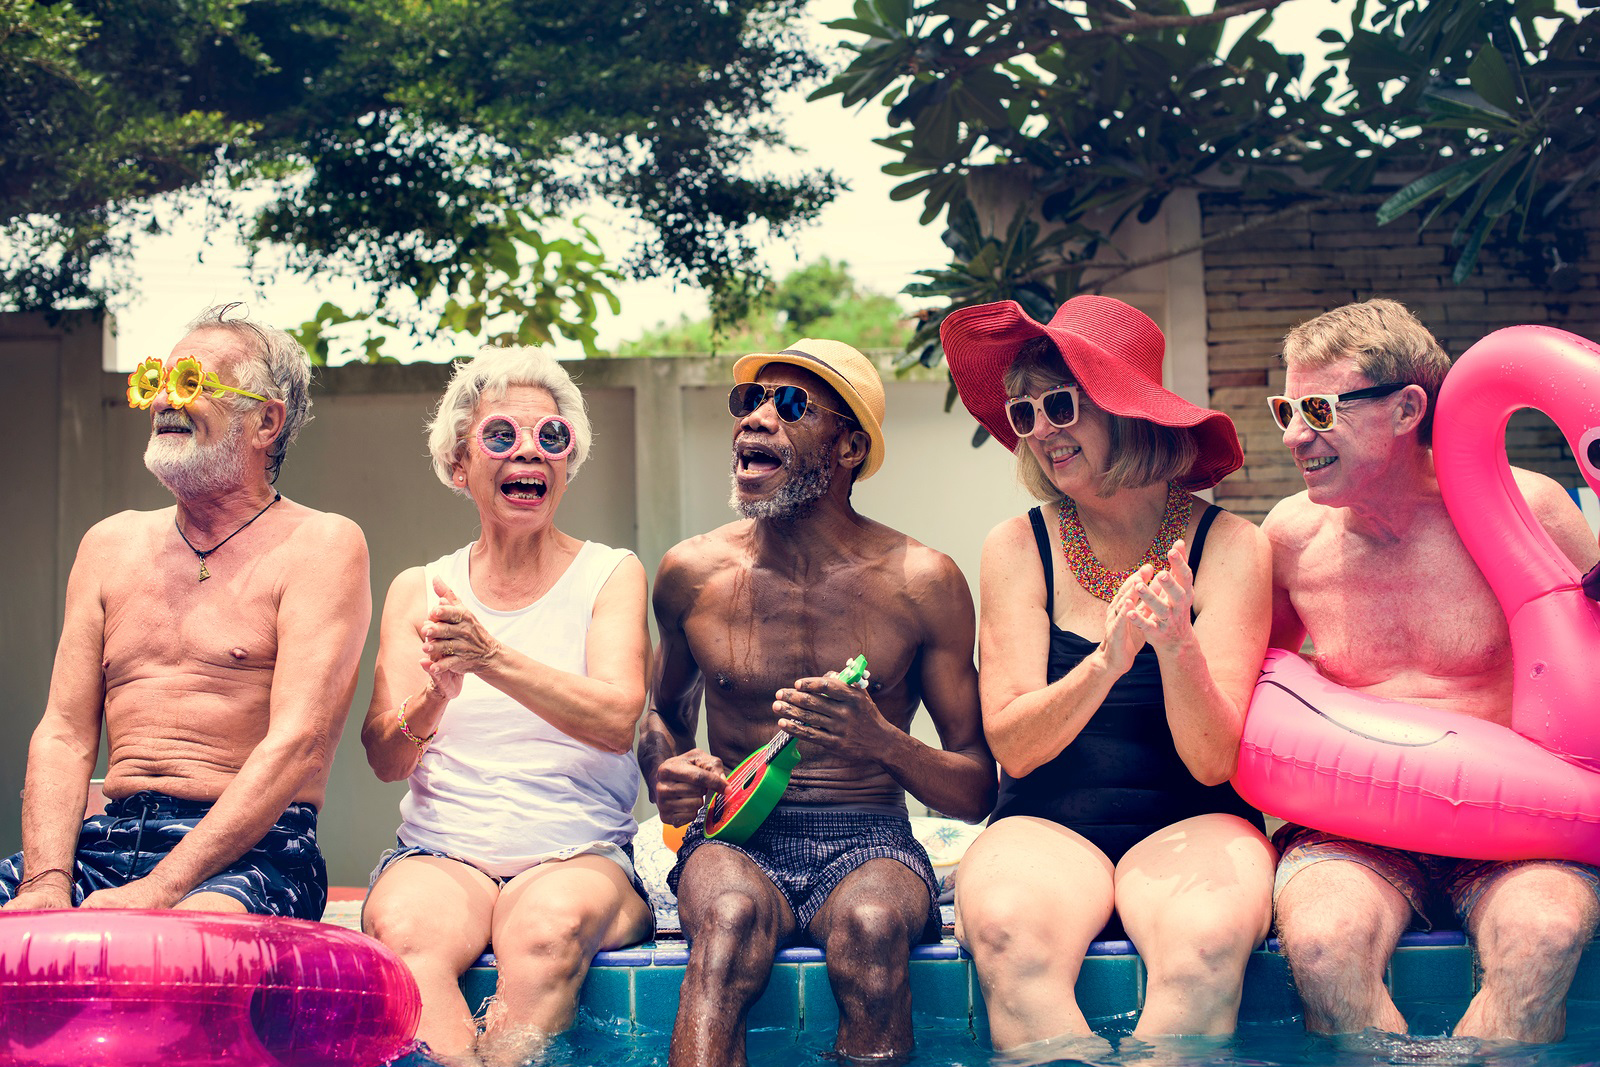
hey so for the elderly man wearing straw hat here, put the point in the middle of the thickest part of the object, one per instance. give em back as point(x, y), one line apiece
point(1123, 625)
point(756, 616)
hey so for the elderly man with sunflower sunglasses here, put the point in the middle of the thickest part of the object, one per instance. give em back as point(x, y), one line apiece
point(1367, 564)
point(217, 641)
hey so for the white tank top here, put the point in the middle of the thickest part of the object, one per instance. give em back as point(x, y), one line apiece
point(500, 787)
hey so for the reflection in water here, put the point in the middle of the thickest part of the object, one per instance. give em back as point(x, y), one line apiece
point(1261, 1044)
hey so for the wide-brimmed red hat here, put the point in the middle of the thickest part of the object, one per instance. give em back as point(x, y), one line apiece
point(1111, 349)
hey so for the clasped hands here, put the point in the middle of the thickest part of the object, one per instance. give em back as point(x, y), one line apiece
point(1151, 607)
point(454, 642)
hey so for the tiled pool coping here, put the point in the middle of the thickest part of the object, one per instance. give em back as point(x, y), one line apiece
point(636, 989)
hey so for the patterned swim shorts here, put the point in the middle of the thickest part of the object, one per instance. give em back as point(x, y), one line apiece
point(1441, 890)
point(807, 852)
point(282, 875)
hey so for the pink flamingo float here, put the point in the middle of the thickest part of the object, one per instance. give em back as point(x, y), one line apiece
point(1374, 769)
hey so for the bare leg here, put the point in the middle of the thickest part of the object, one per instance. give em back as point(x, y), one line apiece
point(435, 914)
point(1339, 923)
point(1196, 899)
point(734, 917)
point(867, 928)
point(548, 924)
point(1030, 896)
point(211, 902)
point(1530, 929)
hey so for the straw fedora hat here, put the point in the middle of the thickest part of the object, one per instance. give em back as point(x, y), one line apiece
point(1111, 349)
point(852, 375)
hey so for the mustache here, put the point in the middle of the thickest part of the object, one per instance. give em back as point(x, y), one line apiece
point(173, 418)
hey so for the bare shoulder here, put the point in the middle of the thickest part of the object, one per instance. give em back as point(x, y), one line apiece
point(1293, 521)
point(691, 563)
point(1010, 538)
point(408, 586)
point(932, 573)
point(327, 531)
point(1555, 509)
point(1235, 537)
point(125, 531)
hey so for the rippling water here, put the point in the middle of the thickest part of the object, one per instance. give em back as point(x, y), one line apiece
point(1257, 1044)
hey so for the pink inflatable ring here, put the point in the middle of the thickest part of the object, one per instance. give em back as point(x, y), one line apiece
point(185, 989)
point(1324, 756)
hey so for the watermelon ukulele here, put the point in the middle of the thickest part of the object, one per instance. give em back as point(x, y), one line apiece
point(757, 784)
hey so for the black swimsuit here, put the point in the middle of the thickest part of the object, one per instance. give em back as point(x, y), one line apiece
point(1121, 778)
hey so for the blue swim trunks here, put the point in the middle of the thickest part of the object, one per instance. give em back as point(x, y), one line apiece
point(282, 875)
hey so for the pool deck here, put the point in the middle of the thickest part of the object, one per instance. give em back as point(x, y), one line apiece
point(636, 989)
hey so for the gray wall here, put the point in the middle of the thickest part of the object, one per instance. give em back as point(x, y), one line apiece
point(659, 473)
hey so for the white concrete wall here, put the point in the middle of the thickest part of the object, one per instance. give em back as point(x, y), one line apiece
point(659, 473)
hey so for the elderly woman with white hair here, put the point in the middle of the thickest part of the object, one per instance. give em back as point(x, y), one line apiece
point(511, 676)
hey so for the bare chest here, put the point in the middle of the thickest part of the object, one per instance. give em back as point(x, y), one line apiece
point(1418, 607)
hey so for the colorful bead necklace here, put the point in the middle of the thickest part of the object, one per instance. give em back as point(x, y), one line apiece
point(1088, 569)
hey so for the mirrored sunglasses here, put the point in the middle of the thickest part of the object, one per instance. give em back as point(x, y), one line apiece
point(791, 401)
point(499, 436)
point(1321, 410)
point(1059, 406)
point(184, 383)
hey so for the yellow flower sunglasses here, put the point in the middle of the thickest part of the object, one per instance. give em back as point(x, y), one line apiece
point(185, 383)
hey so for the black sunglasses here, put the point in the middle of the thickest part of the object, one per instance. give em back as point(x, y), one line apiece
point(791, 401)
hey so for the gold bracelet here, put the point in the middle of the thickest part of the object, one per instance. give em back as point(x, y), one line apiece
point(420, 742)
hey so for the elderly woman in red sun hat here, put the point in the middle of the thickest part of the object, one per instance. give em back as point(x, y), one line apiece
point(1122, 628)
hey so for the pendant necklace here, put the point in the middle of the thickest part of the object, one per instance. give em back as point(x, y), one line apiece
point(1086, 566)
point(201, 556)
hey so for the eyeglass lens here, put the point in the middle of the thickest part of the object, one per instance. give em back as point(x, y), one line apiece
point(1060, 407)
point(1316, 410)
point(789, 400)
point(500, 437)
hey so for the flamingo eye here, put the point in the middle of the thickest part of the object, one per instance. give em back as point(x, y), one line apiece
point(1589, 450)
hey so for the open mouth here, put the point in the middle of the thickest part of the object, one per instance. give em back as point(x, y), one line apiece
point(1317, 464)
point(530, 488)
point(756, 460)
point(1064, 453)
point(172, 423)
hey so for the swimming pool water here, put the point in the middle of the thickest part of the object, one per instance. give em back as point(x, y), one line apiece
point(1275, 1043)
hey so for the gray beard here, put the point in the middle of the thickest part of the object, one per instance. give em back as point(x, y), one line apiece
point(189, 469)
point(809, 480)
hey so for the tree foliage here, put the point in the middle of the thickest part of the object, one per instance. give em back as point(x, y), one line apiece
point(422, 146)
point(1109, 106)
point(820, 299)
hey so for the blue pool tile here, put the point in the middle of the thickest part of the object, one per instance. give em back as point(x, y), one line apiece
point(820, 1010)
point(1431, 972)
point(655, 997)
point(638, 956)
point(1109, 986)
point(1269, 993)
point(607, 996)
point(477, 985)
point(939, 994)
point(779, 1006)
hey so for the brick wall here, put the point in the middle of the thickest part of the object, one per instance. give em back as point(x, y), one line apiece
point(1260, 285)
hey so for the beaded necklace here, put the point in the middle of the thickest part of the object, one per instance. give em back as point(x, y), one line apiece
point(1088, 569)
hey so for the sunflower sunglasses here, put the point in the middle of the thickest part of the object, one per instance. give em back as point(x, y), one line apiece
point(185, 383)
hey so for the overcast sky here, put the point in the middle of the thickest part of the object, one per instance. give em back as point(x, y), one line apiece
point(879, 238)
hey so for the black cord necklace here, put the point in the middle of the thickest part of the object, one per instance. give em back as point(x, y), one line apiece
point(201, 556)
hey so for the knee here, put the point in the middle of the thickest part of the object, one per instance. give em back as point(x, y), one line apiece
point(1002, 924)
point(1321, 942)
point(1206, 948)
point(557, 938)
point(410, 934)
point(1535, 933)
point(871, 931)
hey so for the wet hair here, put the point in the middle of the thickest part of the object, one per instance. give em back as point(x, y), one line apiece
point(1141, 452)
point(487, 376)
point(1387, 342)
point(281, 370)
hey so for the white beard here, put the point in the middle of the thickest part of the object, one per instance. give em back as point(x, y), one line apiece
point(189, 469)
point(809, 481)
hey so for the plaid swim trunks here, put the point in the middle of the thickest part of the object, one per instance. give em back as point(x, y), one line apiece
point(282, 875)
point(807, 852)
